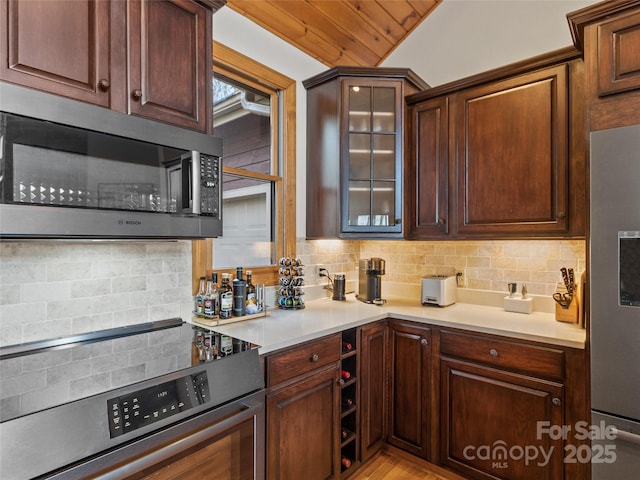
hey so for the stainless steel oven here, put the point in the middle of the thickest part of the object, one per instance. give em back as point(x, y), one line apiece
point(72, 170)
point(206, 419)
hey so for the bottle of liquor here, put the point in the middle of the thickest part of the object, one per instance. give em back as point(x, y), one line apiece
point(239, 294)
point(346, 347)
point(345, 434)
point(251, 294)
point(209, 302)
point(345, 375)
point(216, 294)
point(346, 462)
point(226, 297)
point(200, 298)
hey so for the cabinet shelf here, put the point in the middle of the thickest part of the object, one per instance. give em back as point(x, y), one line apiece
point(350, 438)
point(348, 383)
point(348, 411)
point(352, 353)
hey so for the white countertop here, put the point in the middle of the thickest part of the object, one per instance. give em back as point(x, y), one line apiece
point(284, 328)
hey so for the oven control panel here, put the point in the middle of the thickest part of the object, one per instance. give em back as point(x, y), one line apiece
point(152, 404)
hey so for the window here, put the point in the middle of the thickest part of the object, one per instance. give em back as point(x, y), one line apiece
point(242, 117)
point(258, 196)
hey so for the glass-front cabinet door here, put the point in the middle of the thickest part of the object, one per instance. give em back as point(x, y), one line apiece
point(371, 156)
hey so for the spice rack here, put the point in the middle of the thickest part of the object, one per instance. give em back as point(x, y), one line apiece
point(349, 418)
point(291, 284)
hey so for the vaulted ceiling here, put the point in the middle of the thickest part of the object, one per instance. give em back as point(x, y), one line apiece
point(339, 32)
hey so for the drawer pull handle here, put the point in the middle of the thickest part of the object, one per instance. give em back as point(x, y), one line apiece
point(424, 341)
point(315, 357)
point(556, 401)
point(493, 352)
point(137, 95)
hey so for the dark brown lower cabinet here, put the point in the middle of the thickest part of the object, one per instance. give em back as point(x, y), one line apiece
point(492, 423)
point(485, 406)
point(373, 388)
point(410, 387)
point(302, 428)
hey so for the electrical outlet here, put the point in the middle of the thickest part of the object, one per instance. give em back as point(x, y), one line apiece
point(322, 271)
point(461, 277)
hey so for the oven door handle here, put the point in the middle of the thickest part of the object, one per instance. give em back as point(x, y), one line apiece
point(248, 410)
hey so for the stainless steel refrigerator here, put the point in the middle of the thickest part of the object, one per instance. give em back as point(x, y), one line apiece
point(614, 255)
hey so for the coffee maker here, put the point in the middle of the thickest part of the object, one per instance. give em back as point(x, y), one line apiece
point(370, 273)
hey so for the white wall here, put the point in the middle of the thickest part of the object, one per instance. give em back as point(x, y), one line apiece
point(460, 38)
point(465, 37)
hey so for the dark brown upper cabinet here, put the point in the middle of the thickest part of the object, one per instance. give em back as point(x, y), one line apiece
point(609, 35)
point(146, 58)
point(512, 155)
point(500, 154)
point(355, 151)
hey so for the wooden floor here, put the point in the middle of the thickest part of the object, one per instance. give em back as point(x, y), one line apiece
point(393, 464)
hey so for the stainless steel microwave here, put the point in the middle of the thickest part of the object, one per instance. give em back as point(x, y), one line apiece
point(74, 170)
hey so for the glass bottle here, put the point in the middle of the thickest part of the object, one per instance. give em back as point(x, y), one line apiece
point(252, 301)
point(216, 294)
point(199, 302)
point(209, 302)
point(226, 297)
point(239, 294)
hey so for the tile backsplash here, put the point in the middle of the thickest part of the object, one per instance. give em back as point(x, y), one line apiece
point(57, 289)
point(489, 264)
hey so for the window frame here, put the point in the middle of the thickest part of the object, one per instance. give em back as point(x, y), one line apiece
point(241, 68)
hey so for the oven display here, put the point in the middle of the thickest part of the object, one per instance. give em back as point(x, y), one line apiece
point(144, 407)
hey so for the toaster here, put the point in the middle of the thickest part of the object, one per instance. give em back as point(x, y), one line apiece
point(440, 290)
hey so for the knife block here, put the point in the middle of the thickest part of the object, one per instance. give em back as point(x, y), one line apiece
point(573, 313)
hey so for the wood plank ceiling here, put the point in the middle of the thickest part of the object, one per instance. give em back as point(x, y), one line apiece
point(339, 32)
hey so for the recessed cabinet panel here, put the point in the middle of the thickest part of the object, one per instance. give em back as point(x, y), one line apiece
point(486, 410)
point(58, 47)
point(428, 172)
point(166, 55)
point(619, 55)
point(512, 155)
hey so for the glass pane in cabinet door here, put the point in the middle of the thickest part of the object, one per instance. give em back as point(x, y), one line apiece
point(359, 156)
point(384, 206)
point(359, 203)
point(384, 117)
point(359, 109)
point(384, 157)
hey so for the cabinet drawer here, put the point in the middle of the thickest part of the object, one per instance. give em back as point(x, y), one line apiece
point(302, 359)
point(511, 355)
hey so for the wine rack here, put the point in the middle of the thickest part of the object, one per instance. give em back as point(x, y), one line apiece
point(349, 418)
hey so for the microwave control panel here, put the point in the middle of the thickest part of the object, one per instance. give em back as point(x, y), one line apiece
point(209, 187)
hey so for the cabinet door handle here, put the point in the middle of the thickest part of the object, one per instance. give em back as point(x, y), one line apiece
point(398, 221)
point(561, 215)
point(441, 221)
point(493, 352)
point(315, 357)
point(104, 85)
point(424, 341)
point(556, 401)
point(137, 94)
